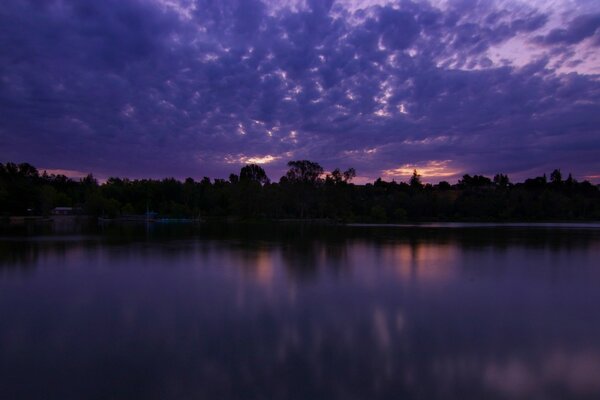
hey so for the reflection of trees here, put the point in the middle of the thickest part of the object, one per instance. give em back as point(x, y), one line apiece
point(336, 256)
point(18, 255)
point(304, 247)
point(28, 253)
point(301, 260)
point(316, 248)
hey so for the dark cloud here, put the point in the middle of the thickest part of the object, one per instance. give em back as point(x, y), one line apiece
point(144, 88)
point(579, 29)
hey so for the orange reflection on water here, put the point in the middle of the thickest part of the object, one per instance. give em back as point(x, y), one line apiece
point(260, 266)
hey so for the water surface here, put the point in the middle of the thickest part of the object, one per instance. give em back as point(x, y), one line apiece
point(300, 312)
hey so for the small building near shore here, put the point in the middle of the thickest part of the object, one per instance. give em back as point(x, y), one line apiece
point(66, 210)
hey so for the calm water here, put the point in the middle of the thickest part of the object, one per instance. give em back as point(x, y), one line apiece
point(300, 312)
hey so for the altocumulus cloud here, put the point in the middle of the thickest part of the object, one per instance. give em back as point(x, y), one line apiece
point(194, 87)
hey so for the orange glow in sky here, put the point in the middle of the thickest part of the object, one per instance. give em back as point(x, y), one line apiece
point(431, 170)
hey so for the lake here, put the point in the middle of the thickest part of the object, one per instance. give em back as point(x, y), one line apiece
point(300, 311)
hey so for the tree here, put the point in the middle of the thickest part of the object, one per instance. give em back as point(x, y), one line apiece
point(253, 173)
point(444, 185)
point(501, 180)
point(474, 181)
point(556, 177)
point(415, 180)
point(570, 180)
point(336, 176)
point(89, 181)
point(27, 170)
point(349, 174)
point(304, 171)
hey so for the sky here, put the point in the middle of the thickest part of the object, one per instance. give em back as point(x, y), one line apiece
point(159, 88)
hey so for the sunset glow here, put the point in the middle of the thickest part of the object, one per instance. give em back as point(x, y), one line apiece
point(431, 170)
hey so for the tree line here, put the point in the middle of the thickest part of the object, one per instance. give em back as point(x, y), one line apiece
point(304, 192)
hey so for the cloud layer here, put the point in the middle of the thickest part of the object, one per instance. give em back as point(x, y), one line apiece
point(194, 87)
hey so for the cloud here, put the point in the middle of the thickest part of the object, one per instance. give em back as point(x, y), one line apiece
point(430, 171)
point(579, 29)
point(179, 87)
point(241, 159)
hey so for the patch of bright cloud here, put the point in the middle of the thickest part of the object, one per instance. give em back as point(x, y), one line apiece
point(429, 171)
point(241, 159)
point(183, 8)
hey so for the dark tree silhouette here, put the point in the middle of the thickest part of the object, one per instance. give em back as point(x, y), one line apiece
point(302, 193)
point(349, 174)
point(501, 180)
point(254, 173)
point(556, 177)
point(335, 177)
point(415, 180)
point(304, 171)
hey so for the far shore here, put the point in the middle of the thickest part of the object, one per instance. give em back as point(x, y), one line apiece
point(140, 219)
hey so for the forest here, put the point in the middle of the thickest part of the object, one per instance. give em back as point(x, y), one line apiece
point(304, 192)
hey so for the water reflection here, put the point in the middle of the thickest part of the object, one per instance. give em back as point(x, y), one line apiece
point(299, 312)
point(573, 373)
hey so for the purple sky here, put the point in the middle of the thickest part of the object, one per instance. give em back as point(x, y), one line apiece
point(155, 88)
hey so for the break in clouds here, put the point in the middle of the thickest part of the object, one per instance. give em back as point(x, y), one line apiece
point(200, 87)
